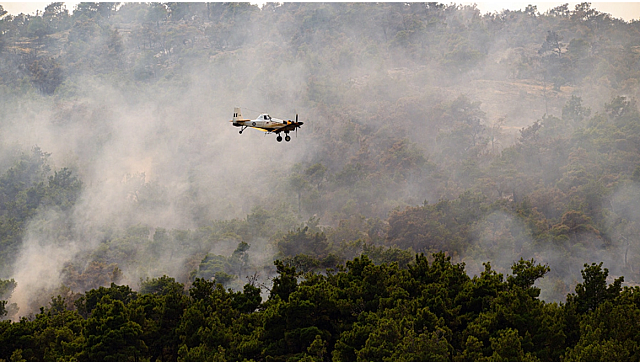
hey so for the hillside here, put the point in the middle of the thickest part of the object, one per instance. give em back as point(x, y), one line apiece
point(428, 128)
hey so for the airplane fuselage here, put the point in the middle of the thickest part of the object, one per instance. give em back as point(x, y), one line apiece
point(271, 124)
point(266, 123)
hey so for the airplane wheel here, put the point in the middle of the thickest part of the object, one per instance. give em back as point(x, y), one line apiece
point(287, 138)
point(279, 138)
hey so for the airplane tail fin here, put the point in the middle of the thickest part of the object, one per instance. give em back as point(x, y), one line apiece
point(236, 114)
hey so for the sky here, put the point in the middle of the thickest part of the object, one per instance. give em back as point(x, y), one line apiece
point(625, 10)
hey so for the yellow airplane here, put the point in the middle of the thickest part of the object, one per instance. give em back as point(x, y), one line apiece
point(266, 123)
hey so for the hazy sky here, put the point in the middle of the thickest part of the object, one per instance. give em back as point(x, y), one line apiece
point(625, 10)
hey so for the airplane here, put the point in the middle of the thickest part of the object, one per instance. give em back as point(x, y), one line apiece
point(266, 123)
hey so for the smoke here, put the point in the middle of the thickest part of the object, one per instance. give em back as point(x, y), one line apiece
point(42, 257)
point(159, 160)
point(503, 239)
point(157, 156)
point(623, 223)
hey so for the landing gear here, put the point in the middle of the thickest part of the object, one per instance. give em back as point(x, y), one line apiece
point(286, 137)
point(242, 129)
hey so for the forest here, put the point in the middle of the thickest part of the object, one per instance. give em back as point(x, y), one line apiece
point(464, 188)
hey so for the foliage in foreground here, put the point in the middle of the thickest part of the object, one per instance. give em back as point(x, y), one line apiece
point(430, 310)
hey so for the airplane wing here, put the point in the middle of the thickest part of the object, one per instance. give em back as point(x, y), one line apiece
point(290, 127)
point(260, 129)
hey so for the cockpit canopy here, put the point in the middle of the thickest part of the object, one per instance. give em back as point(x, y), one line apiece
point(266, 117)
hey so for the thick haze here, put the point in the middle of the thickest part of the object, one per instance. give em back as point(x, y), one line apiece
point(177, 145)
point(627, 10)
point(396, 117)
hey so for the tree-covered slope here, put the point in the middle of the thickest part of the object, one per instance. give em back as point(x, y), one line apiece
point(431, 310)
point(428, 127)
